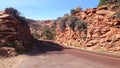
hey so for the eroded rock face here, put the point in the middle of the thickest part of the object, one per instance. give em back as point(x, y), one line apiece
point(14, 31)
point(103, 31)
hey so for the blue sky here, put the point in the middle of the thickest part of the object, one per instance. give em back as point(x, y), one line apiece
point(46, 9)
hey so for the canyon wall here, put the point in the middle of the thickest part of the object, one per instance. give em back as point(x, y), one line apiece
point(102, 33)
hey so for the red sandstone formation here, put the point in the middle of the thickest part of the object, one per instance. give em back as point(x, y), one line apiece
point(14, 32)
point(103, 31)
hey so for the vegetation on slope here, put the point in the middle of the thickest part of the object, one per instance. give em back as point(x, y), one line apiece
point(44, 30)
point(72, 21)
point(105, 2)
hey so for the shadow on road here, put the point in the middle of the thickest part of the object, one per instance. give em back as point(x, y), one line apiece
point(42, 47)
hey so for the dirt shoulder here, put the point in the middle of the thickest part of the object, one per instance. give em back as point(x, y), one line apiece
point(10, 62)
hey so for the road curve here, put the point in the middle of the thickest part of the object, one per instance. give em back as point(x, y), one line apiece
point(52, 55)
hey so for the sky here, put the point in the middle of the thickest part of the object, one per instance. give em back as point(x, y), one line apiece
point(46, 9)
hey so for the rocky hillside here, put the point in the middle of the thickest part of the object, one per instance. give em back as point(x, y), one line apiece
point(14, 33)
point(17, 34)
point(102, 32)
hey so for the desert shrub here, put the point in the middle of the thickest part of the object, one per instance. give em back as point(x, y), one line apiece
point(62, 24)
point(11, 44)
point(71, 22)
point(80, 25)
point(73, 11)
point(102, 2)
point(66, 15)
point(59, 18)
point(36, 35)
point(14, 43)
point(53, 30)
point(78, 9)
point(48, 34)
point(12, 11)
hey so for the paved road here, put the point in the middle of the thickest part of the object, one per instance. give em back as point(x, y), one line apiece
point(46, 56)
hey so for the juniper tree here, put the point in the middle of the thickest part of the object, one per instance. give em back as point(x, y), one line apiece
point(102, 2)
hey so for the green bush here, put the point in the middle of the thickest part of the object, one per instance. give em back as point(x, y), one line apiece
point(59, 18)
point(48, 34)
point(102, 2)
point(14, 43)
point(66, 15)
point(12, 11)
point(80, 25)
point(73, 11)
point(36, 35)
point(78, 9)
point(62, 24)
point(71, 22)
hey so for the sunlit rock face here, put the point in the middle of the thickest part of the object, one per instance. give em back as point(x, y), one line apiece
point(14, 31)
point(103, 31)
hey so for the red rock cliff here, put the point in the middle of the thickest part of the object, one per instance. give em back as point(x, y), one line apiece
point(103, 31)
point(14, 31)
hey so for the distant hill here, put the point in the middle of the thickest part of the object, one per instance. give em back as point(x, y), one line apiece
point(39, 27)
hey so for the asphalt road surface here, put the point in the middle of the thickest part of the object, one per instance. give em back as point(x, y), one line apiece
point(51, 55)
